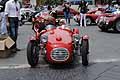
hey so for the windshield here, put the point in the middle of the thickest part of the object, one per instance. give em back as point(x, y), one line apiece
point(49, 27)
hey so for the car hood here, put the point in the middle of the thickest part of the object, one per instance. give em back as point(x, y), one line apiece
point(59, 36)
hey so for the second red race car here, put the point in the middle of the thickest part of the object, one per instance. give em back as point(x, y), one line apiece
point(41, 17)
point(109, 21)
point(60, 13)
point(91, 16)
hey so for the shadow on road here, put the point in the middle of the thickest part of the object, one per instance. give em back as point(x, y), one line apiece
point(110, 31)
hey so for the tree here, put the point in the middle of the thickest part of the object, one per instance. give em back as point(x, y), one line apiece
point(50, 2)
point(40, 2)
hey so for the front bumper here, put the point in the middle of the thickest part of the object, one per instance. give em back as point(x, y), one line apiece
point(104, 24)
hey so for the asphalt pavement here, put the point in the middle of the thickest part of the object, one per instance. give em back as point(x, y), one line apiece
point(104, 59)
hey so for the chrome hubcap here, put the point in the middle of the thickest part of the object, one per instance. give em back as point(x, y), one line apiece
point(118, 26)
point(88, 21)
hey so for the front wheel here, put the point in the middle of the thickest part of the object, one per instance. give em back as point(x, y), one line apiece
point(117, 27)
point(88, 21)
point(102, 27)
point(84, 49)
point(32, 54)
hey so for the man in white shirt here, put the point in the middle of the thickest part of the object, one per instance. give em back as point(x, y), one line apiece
point(12, 12)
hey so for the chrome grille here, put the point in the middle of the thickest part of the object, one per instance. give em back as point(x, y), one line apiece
point(60, 54)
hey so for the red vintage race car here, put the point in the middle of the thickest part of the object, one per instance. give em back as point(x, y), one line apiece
point(40, 18)
point(60, 13)
point(91, 16)
point(58, 45)
point(109, 21)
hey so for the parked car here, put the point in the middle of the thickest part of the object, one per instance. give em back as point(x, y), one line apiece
point(58, 45)
point(91, 16)
point(26, 14)
point(109, 21)
point(42, 16)
point(60, 13)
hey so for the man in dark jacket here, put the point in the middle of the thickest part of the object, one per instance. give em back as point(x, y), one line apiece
point(83, 10)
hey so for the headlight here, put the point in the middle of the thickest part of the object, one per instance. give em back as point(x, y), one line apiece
point(76, 38)
point(107, 21)
point(96, 20)
point(42, 20)
point(44, 38)
point(104, 18)
point(101, 17)
point(57, 20)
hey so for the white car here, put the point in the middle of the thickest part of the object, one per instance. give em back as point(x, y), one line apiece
point(26, 13)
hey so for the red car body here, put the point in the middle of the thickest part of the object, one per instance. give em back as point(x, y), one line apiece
point(91, 16)
point(57, 40)
point(106, 22)
point(60, 13)
point(58, 45)
point(40, 18)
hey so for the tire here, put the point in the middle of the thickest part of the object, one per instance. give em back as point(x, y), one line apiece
point(88, 21)
point(36, 26)
point(117, 27)
point(78, 23)
point(84, 49)
point(71, 15)
point(32, 54)
point(102, 27)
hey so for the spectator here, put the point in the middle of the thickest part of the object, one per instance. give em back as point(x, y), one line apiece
point(12, 12)
point(83, 10)
point(49, 8)
point(111, 8)
point(3, 18)
point(66, 11)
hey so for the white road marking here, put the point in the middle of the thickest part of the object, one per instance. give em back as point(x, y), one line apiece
point(105, 60)
point(13, 66)
point(19, 66)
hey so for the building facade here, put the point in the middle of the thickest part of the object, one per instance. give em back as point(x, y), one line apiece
point(33, 2)
point(77, 1)
point(106, 1)
point(102, 2)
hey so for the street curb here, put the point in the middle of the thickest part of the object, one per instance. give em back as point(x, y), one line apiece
point(19, 66)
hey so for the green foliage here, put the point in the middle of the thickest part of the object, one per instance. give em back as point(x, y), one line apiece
point(51, 2)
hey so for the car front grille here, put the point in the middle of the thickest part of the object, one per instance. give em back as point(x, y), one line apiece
point(60, 54)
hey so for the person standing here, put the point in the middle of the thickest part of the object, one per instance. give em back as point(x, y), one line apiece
point(66, 11)
point(3, 18)
point(12, 12)
point(83, 10)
